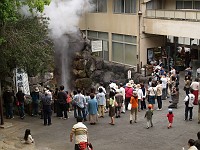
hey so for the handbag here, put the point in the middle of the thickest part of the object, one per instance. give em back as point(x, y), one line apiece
point(129, 106)
point(184, 88)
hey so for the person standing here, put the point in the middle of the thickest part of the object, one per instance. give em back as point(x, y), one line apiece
point(92, 109)
point(101, 99)
point(8, 99)
point(152, 94)
point(134, 107)
point(159, 90)
point(112, 107)
point(149, 116)
point(170, 117)
point(62, 102)
point(35, 101)
point(123, 94)
point(164, 87)
point(187, 84)
point(189, 100)
point(143, 103)
point(46, 103)
point(140, 96)
point(20, 102)
point(128, 94)
point(119, 101)
point(80, 103)
point(81, 134)
point(195, 87)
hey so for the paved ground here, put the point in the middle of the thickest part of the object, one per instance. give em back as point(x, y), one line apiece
point(106, 137)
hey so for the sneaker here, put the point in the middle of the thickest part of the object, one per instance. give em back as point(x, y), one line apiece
point(190, 119)
point(135, 121)
point(147, 127)
point(157, 109)
point(199, 122)
point(130, 121)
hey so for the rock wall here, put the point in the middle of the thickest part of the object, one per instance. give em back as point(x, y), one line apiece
point(88, 71)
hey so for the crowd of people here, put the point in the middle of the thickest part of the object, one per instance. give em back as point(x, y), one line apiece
point(116, 99)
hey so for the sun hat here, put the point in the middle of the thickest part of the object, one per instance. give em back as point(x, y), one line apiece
point(128, 85)
point(36, 89)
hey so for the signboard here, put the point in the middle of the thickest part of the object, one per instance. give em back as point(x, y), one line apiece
point(22, 81)
point(97, 46)
point(129, 74)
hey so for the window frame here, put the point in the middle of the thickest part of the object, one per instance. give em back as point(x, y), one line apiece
point(134, 9)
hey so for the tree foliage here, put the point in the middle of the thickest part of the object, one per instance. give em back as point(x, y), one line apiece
point(24, 41)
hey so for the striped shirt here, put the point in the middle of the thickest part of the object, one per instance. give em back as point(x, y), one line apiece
point(80, 131)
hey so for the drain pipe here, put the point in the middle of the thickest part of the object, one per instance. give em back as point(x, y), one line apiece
point(139, 20)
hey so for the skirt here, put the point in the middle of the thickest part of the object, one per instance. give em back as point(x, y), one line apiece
point(111, 111)
point(196, 93)
point(151, 99)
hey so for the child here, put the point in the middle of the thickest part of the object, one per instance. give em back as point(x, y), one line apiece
point(27, 137)
point(148, 115)
point(170, 117)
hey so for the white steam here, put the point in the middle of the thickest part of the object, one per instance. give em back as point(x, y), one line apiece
point(65, 15)
point(64, 18)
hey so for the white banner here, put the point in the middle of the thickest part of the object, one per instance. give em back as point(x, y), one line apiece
point(97, 46)
point(22, 81)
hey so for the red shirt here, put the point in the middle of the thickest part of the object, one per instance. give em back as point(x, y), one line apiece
point(170, 117)
point(128, 91)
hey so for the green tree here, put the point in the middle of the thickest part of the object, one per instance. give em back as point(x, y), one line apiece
point(24, 41)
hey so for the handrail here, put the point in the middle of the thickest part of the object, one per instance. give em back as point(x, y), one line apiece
point(174, 14)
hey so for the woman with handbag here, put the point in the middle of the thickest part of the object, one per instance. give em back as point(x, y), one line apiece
point(187, 84)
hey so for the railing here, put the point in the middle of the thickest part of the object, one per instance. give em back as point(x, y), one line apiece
point(193, 15)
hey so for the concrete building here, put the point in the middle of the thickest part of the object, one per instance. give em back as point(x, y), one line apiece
point(137, 32)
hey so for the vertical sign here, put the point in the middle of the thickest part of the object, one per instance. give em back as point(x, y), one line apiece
point(22, 81)
point(129, 74)
point(97, 46)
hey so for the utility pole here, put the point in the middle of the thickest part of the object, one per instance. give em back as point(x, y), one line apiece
point(1, 106)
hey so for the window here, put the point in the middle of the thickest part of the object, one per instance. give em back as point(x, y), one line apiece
point(124, 49)
point(154, 4)
point(101, 5)
point(94, 35)
point(188, 4)
point(125, 6)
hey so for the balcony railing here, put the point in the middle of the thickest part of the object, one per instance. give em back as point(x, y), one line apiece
point(193, 15)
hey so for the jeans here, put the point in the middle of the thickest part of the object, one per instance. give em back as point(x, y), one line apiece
point(21, 110)
point(75, 111)
point(164, 93)
point(159, 100)
point(9, 110)
point(187, 91)
point(47, 114)
point(118, 110)
point(139, 104)
point(81, 112)
point(186, 112)
point(35, 108)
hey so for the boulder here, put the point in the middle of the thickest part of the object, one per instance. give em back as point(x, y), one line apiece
point(84, 83)
point(79, 64)
point(99, 63)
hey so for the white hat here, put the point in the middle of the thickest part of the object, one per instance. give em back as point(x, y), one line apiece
point(129, 85)
point(170, 110)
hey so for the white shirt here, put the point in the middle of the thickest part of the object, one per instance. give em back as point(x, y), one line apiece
point(140, 93)
point(123, 92)
point(164, 82)
point(192, 148)
point(29, 140)
point(191, 99)
point(80, 131)
point(159, 90)
point(195, 85)
point(152, 91)
point(104, 90)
